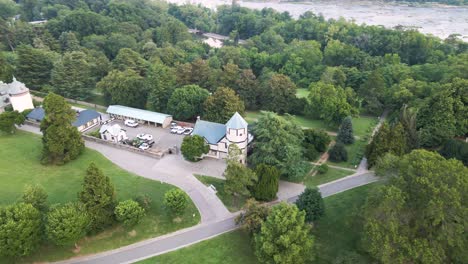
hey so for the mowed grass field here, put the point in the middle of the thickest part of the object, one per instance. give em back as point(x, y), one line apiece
point(331, 175)
point(20, 166)
point(232, 203)
point(335, 233)
point(362, 125)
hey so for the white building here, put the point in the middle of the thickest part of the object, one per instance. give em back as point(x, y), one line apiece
point(16, 94)
point(139, 115)
point(113, 133)
point(219, 137)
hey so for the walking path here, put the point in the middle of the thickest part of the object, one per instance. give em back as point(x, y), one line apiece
point(333, 166)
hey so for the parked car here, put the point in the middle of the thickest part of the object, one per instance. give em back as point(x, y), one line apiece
point(144, 146)
point(173, 124)
point(175, 129)
point(145, 137)
point(188, 131)
point(131, 123)
point(180, 130)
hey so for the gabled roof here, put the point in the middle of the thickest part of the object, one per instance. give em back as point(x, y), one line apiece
point(137, 113)
point(113, 130)
point(37, 113)
point(236, 122)
point(85, 116)
point(212, 132)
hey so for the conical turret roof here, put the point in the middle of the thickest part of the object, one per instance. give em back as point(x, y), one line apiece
point(236, 122)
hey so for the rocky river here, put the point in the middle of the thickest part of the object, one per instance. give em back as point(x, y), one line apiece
point(434, 19)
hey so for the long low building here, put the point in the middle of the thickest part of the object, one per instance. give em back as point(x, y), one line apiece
point(139, 115)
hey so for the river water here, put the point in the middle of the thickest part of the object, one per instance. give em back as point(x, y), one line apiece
point(437, 20)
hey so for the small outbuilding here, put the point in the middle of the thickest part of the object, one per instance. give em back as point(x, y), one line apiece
point(113, 133)
point(139, 115)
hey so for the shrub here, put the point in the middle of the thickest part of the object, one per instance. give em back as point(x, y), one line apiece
point(95, 134)
point(66, 224)
point(310, 153)
point(266, 187)
point(176, 200)
point(312, 203)
point(455, 149)
point(36, 196)
point(129, 212)
point(318, 138)
point(193, 147)
point(338, 153)
point(322, 169)
point(144, 200)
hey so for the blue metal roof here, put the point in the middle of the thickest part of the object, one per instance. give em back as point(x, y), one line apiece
point(85, 116)
point(136, 113)
point(37, 114)
point(212, 132)
point(236, 122)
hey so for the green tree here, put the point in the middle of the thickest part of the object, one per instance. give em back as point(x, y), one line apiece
point(253, 216)
point(312, 203)
point(36, 196)
point(124, 88)
point(194, 147)
point(318, 138)
point(128, 59)
point(72, 77)
point(6, 68)
point(248, 89)
point(186, 103)
point(9, 121)
point(267, 185)
point(454, 148)
point(372, 91)
point(20, 230)
point(198, 73)
point(278, 92)
point(239, 179)
point(387, 140)
point(329, 103)
point(98, 197)
point(69, 42)
point(424, 226)
point(176, 200)
point(61, 142)
point(220, 106)
point(284, 237)
point(129, 212)
point(66, 224)
point(34, 66)
point(160, 83)
point(345, 132)
point(280, 147)
point(338, 153)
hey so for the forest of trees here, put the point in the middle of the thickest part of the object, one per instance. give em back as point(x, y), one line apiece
point(139, 53)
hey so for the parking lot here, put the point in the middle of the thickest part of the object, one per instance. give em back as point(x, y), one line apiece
point(162, 137)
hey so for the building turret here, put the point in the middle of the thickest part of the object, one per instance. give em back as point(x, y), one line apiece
point(20, 97)
point(237, 133)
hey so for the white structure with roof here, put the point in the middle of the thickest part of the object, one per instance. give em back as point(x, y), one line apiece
point(113, 133)
point(219, 137)
point(139, 115)
point(16, 94)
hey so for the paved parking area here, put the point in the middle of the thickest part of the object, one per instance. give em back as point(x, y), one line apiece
point(163, 139)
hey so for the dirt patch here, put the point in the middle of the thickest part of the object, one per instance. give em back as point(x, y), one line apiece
point(77, 249)
point(132, 233)
point(177, 220)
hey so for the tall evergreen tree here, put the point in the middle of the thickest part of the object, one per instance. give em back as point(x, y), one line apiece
point(267, 185)
point(387, 140)
point(98, 197)
point(345, 132)
point(72, 77)
point(34, 66)
point(61, 141)
point(312, 203)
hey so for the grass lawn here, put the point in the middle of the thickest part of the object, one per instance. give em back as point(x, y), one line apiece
point(230, 248)
point(355, 154)
point(20, 166)
point(302, 92)
point(331, 175)
point(232, 203)
point(334, 233)
point(362, 125)
point(338, 231)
